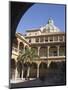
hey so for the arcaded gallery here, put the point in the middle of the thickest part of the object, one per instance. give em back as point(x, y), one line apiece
point(48, 42)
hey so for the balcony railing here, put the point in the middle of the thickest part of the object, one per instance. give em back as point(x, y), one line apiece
point(48, 40)
point(44, 57)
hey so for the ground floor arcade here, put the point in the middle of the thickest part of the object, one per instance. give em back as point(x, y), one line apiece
point(35, 69)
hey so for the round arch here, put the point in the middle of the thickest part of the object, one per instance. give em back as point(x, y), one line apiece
point(43, 51)
point(17, 14)
point(33, 70)
point(62, 51)
point(42, 69)
point(53, 66)
point(53, 51)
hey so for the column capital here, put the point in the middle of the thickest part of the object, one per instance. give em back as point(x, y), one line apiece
point(48, 46)
point(57, 45)
point(38, 64)
point(38, 47)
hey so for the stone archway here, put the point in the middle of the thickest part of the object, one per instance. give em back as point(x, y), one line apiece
point(53, 66)
point(43, 52)
point(12, 67)
point(62, 51)
point(53, 51)
point(42, 69)
point(33, 70)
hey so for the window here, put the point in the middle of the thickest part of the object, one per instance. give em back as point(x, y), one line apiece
point(35, 33)
point(29, 34)
point(42, 39)
point(60, 38)
point(29, 40)
point(55, 53)
point(55, 38)
point(51, 38)
point(46, 39)
point(37, 39)
point(62, 51)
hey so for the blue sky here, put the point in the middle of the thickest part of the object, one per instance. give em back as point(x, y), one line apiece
point(38, 15)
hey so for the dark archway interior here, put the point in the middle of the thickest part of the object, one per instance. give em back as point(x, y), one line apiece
point(53, 65)
point(33, 70)
point(42, 69)
point(13, 64)
point(16, 11)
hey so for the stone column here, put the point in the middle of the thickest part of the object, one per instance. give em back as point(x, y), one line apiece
point(48, 51)
point(18, 46)
point(22, 74)
point(38, 50)
point(39, 39)
point(48, 64)
point(24, 48)
point(16, 73)
point(38, 71)
point(28, 72)
point(48, 56)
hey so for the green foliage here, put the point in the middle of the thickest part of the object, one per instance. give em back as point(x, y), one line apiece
point(29, 55)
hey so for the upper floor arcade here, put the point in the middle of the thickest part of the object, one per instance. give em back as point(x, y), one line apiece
point(19, 44)
point(47, 38)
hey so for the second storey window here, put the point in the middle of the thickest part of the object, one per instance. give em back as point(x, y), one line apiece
point(29, 40)
point(46, 39)
point(55, 38)
point(51, 38)
point(37, 39)
point(41, 39)
point(60, 38)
